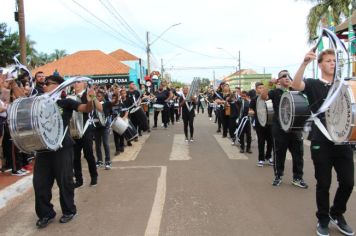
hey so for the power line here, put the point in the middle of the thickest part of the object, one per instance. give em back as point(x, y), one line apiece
point(198, 68)
point(124, 22)
point(92, 14)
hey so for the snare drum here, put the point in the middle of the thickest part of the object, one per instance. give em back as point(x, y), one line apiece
point(341, 117)
point(293, 111)
point(119, 125)
point(158, 107)
point(264, 111)
point(139, 117)
point(35, 124)
point(176, 105)
point(130, 132)
point(76, 123)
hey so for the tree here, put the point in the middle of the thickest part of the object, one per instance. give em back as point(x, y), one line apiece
point(176, 83)
point(9, 45)
point(58, 54)
point(320, 10)
point(204, 84)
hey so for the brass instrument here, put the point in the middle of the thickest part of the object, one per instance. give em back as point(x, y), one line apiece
point(193, 90)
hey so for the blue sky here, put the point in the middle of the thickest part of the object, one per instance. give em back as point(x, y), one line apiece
point(270, 35)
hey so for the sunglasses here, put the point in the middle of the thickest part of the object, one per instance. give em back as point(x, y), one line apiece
point(284, 76)
point(48, 83)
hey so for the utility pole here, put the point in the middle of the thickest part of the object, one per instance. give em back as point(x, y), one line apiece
point(239, 70)
point(22, 33)
point(148, 54)
point(162, 69)
point(213, 79)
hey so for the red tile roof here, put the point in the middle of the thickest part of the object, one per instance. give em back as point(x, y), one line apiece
point(122, 55)
point(90, 62)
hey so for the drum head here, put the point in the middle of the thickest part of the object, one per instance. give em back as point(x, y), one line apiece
point(261, 109)
point(49, 122)
point(340, 115)
point(286, 110)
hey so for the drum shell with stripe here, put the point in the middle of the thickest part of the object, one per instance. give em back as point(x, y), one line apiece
point(264, 111)
point(35, 124)
point(158, 107)
point(341, 115)
point(293, 111)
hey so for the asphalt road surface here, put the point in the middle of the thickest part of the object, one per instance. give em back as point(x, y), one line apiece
point(165, 186)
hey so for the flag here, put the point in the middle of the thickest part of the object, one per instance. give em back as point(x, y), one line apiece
point(320, 45)
point(351, 37)
point(331, 21)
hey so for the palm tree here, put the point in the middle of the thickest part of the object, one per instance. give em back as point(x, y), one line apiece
point(318, 13)
point(57, 54)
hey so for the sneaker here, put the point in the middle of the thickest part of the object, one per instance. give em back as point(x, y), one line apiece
point(117, 153)
point(24, 171)
point(66, 218)
point(129, 144)
point(186, 139)
point(260, 163)
point(94, 181)
point(322, 230)
point(18, 173)
point(218, 131)
point(270, 162)
point(78, 184)
point(99, 164)
point(191, 140)
point(299, 183)
point(154, 127)
point(277, 181)
point(341, 225)
point(248, 151)
point(107, 165)
point(43, 222)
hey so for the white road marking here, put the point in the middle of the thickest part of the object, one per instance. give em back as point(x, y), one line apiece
point(131, 153)
point(15, 190)
point(154, 221)
point(180, 149)
point(231, 151)
point(354, 189)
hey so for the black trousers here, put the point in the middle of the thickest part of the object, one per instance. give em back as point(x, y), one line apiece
point(119, 142)
point(52, 166)
point(101, 135)
point(292, 141)
point(264, 136)
point(188, 119)
point(177, 114)
point(325, 157)
point(210, 111)
point(85, 144)
point(246, 132)
point(200, 106)
point(232, 127)
point(164, 115)
point(11, 152)
point(225, 120)
point(171, 113)
point(219, 113)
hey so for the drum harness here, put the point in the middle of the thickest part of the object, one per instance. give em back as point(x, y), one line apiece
point(242, 121)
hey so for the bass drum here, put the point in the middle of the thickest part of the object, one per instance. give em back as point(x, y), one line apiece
point(35, 124)
point(264, 111)
point(293, 111)
point(130, 132)
point(139, 117)
point(341, 116)
point(76, 123)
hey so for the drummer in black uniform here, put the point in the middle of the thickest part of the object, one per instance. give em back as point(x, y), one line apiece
point(133, 96)
point(57, 165)
point(264, 134)
point(86, 142)
point(283, 140)
point(162, 96)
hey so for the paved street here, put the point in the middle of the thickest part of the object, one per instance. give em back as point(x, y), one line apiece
point(165, 186)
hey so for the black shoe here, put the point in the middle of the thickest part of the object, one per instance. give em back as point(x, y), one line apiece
point(122, 150)
point(129, 144)
point(43, 222)
point(322, 230)
point(78, 184)
point(66, 218)
point(136, 139)
point(242, 150)
point(117, 153)
point(94, 181)
point(277, 181)
point(148, 131)
point(218, 131)
point(248, 151)
point(341, 225)
point(224, 136)
point(299, 182)
point(154, 127)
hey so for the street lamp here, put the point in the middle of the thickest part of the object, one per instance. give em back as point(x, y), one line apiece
point(150, 43)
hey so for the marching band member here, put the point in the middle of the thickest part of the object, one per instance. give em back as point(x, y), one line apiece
point(85, 143)
point(283, 140)
point(201, 96)
point(264, 134)
point(210, 95)
point(118, 110)
point(325, 154)
point(162, 96)
point(57, 165)
point(232, 102)
point(244, 126)
point(176, 97)
point(133, 96)
point(188, 113)
point(146, 98)
point(102, 131)
point(218, 99)
point(225, 115)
